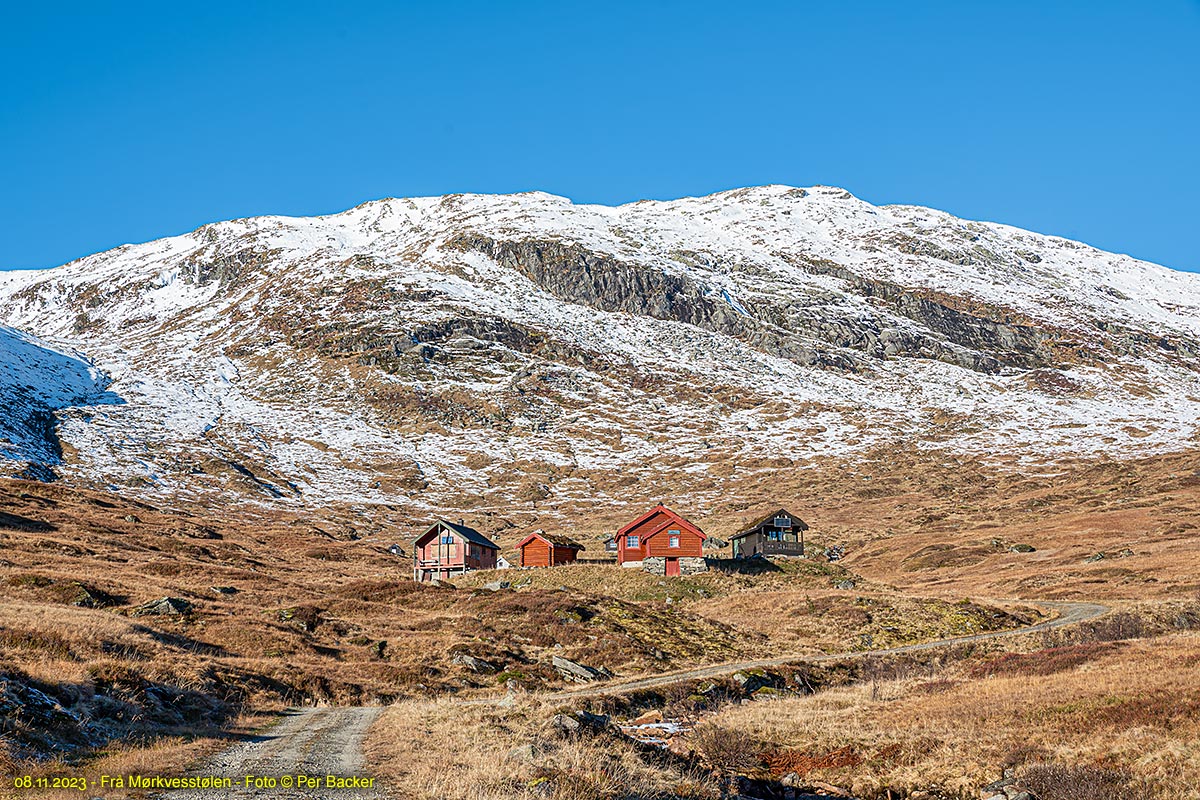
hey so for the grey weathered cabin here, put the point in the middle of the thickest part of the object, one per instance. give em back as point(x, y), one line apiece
point(780, 533)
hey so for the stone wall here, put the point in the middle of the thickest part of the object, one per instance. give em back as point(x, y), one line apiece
point(657, 565)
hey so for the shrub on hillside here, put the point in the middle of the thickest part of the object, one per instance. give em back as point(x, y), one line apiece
point(728, 750)
point(1059, 782)
point(1117, 627)
point(1041, 662)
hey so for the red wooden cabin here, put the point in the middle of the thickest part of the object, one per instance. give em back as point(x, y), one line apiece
point(660, 533)
point(451, 549)
point(547, 550)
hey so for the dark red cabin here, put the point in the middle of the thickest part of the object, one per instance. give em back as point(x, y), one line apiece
point(660, 532)
point(547, 550)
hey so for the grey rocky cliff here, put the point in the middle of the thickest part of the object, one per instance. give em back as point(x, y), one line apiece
point(803, 331)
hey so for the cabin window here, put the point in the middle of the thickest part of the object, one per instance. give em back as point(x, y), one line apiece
point(783, 522)
point(447, 538)
point(631, 541)
point(674, 540)
point(775, 536)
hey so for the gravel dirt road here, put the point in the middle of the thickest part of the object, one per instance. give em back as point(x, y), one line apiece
point(311, 742)
point(1069, 613)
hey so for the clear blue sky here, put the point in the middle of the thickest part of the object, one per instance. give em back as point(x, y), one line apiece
point(1080, 119)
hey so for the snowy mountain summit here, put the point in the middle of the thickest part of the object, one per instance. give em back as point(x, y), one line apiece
point(434, 351)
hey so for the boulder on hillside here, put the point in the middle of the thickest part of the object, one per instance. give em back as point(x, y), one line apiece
point(307, 618)
point(574, 722)
point(164, 606)
point(581, 673)
point(652, 717)
point(565, 723)
point(472, 663)
point(87, 596)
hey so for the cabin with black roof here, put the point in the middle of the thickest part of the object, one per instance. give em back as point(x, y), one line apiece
point(780, 533)
point(449, 548)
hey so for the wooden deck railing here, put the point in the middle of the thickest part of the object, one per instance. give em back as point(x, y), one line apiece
point(782, 548)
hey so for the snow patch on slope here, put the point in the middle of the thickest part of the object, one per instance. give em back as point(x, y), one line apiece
point(38, 380)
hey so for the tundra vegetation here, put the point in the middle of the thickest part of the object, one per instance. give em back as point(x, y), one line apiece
point(134, 636)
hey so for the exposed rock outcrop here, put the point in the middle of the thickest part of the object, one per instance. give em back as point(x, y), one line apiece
point(580, 673)
point(803, 332)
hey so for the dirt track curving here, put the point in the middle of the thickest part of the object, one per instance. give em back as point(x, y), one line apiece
point(315, 742)
point(328, 741)
point(1070, 613)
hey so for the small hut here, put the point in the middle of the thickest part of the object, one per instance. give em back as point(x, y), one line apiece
point(541, 549)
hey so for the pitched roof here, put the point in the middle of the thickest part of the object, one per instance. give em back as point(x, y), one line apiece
point(765, 518)
point(670, 523)
point(660, 507)
point(468, 533)
point(552, 538)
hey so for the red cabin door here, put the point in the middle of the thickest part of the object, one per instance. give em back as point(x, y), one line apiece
point(672, 566)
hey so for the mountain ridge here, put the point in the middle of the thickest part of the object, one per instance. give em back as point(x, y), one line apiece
point(486, 349)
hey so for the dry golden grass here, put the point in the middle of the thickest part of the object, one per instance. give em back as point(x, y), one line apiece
point(1111, 711)
point(928, 522)
point(1135, 707)
point(166, 756)
point(317, 594)
point(317, 615)
point(780, 608)
point(638, 586)
point(824, 620)
point(933, 524)
point(443, 750)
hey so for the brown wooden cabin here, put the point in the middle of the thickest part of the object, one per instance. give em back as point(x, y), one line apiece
point(780, 533)
point(547, 550)
point(661, 535)
point(447, 549)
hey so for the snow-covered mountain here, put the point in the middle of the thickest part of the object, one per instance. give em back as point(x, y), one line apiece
point(436, 351)
point(37, 380)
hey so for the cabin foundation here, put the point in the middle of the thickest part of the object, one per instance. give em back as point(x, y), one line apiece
point(663, 565)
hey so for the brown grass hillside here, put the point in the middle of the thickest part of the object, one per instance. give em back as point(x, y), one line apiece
point(294, 607)
point(1079, 716)
point(279, 609)
point(934, 523)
